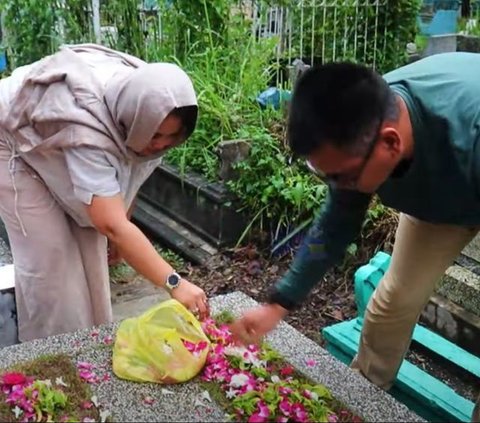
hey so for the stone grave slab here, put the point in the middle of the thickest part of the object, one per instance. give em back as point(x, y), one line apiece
point(125, 399)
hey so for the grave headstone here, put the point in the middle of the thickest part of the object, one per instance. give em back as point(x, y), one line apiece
point(447, 43)
point(231, 152)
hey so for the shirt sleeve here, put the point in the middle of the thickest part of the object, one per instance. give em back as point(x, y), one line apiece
point(324, 245)
point(91, 173)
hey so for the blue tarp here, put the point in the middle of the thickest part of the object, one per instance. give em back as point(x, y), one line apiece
point(274, 97)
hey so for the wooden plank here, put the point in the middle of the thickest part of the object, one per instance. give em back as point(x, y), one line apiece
point(429, 391)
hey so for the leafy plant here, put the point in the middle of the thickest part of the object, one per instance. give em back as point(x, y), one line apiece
point(214, 41)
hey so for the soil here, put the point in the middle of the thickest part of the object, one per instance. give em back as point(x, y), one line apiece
point(253, 271)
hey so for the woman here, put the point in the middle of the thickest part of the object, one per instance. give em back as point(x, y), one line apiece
point(80, 131)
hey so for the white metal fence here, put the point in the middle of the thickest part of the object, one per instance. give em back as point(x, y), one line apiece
point(325, 30)
point(311, 30)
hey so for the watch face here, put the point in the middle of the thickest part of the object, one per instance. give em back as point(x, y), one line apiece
point(173, 280)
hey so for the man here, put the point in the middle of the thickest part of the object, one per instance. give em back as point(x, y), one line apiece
point(413, 138)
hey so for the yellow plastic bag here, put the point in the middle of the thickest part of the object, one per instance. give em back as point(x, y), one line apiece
point(150, 348)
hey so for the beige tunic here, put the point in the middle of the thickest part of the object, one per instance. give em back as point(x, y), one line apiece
point(61, 271)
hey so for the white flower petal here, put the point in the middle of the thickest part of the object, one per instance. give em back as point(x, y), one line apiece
point(239, 380)
point(231, 393)
point(275, 379)
point(199, 403)
point(17, 411)
point(167, 392)
point(59, 381)
point(205, 396)
point(46, 382)
point(94, 400)
point(104, 415)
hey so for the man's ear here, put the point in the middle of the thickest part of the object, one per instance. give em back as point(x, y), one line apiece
point(390, 143)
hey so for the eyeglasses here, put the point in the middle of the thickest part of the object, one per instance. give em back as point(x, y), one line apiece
point(347, 180)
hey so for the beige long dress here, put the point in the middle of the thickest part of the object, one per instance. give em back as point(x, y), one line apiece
point(61, 271)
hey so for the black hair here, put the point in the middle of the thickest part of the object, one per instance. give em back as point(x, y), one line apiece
point(339, 103)
point(188, 115)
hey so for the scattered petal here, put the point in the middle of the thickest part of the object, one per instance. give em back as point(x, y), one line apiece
point(83, 365)
point(86, 405)
point(46, 382)
point(311, 362)
point(148, 400)
point(88, 420)
point(17, 411)
point(60, 382)
point(287, 370)
point(108, 340)
point(199, 403)
point(167, 392)
point(275, 379)
point(205, 396)
point(94, 400)
point(104, 415)
point(13, 378)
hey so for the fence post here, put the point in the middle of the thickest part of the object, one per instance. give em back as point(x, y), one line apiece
point(96, 21)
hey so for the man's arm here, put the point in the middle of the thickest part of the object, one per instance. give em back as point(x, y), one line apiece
point(323, 247)
point(325, 244)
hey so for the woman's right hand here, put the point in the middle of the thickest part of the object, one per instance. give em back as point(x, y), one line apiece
point(193, 298)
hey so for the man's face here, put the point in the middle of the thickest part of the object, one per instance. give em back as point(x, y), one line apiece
point(360, 172)
point(169, 134)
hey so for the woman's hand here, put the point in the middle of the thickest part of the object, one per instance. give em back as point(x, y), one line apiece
point(193, 298)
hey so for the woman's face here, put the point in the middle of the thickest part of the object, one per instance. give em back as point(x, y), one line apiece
point(169, 134)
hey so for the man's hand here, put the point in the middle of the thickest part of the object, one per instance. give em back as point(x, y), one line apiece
point(192, 297)
point(256, 323)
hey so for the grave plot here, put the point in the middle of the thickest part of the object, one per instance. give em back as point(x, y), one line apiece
point(325, 385)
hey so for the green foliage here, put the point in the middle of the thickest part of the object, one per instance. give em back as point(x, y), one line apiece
point(374, 33)
point(34, 30)
point(214, 42)
point(225, 317)
point(49, 400)
point(29, 27)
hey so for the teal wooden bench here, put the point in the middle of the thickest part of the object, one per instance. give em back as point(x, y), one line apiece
point(427, 396)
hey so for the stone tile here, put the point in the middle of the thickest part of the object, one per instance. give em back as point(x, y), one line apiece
point(5, 254)
point(461, 286)
point(472, 250)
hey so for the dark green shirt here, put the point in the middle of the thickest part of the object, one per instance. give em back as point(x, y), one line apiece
point(440, 185)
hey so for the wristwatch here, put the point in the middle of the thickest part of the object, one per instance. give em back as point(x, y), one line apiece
point(173, 281)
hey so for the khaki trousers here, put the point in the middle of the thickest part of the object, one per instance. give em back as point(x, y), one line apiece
point(421, 254)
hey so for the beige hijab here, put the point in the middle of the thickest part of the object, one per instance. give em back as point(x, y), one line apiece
point(61, 103)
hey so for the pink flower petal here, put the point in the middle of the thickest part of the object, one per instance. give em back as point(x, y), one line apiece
point(86, 405)
point(311, 362)
point(84, 365)
point(148, 400)
point(107, 340)
point(257, 418)
point(287, 370)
